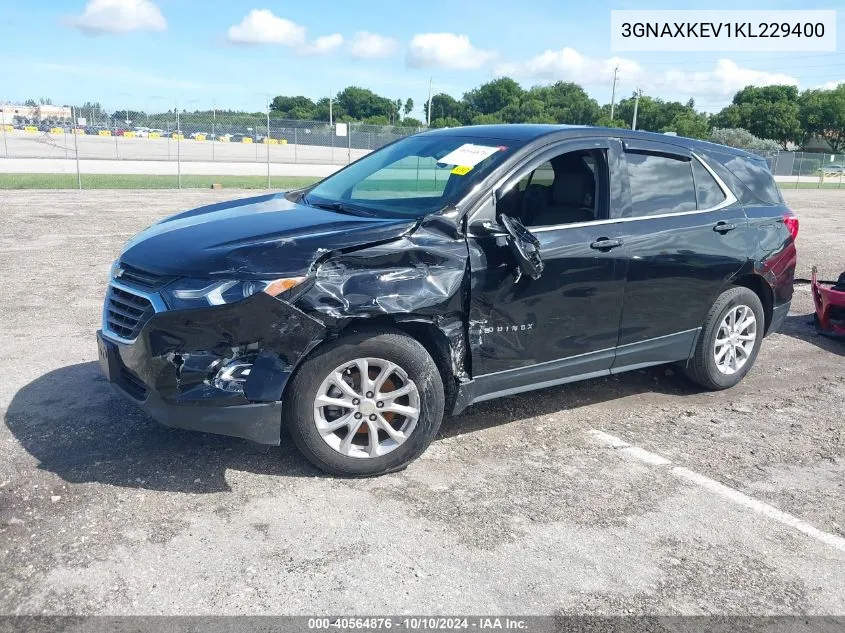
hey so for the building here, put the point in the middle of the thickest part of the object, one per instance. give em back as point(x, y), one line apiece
point(9, 112)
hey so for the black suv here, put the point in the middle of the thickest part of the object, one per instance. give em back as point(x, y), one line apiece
point(445, 269)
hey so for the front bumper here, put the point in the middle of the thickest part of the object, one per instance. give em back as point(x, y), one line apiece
point(168, 369)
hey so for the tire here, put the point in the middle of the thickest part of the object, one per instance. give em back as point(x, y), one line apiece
point(702, 367)
point(416, 372)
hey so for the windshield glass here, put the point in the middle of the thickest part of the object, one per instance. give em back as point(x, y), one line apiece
point(412, 177)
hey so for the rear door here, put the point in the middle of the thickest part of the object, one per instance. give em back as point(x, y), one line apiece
point(684, 233)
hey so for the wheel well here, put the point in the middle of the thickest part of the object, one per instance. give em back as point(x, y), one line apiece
point(426, 334)
point(758, 286)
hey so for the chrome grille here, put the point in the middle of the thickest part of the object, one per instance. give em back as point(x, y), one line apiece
point(142, 278)
point(126, 313)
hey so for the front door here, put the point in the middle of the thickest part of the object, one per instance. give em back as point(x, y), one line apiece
point(528, 332)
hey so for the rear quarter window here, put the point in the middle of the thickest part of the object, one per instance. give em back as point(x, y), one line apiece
point(755, 175)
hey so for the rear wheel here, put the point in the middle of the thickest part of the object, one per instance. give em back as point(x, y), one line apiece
point(730, 340)
point(366, 404)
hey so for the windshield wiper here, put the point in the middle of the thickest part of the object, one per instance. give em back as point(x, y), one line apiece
point(336, 206)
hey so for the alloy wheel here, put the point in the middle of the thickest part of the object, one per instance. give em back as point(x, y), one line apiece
point(366, 408)
point(735, 339)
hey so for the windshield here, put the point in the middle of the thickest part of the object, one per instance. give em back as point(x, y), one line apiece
point(412, 177)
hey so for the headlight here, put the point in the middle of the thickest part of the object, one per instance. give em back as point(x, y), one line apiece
point(196, 293)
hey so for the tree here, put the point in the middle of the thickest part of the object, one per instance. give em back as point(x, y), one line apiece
point(321, 110)
point(743, 139)
point(486, 119)
point(299, 107)
point(690, 124)
point(653, 114)
point(444, 106)
point(360, 103)
point(445, 122)
point(31, 103)
point(411, 122)
point(765, 111)
point(822, 114)
point(605, 121)
point(409, 106)
point(564, 102)
point(493, 96)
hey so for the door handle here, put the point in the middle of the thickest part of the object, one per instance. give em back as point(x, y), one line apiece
point(605, 244)
point(724, 227)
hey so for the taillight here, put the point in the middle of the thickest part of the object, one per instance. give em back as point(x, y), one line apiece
point(791, 222)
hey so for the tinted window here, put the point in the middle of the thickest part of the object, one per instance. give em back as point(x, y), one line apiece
point(755, 175)
point(565, 189)
point(706, 188)
point(660, 184)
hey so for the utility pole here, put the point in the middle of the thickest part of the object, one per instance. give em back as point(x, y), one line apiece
point(267, 140)
point(178, 147)
point(636, 107)
point(428, 120)
point(330, 108)
point(613, 93)
point(76, 147)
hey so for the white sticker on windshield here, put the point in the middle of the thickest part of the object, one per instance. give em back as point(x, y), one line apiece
point(468, 155)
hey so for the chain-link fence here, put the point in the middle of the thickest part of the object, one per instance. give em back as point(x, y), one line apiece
point(183, 146)
point(173, 149)
point(806, 170)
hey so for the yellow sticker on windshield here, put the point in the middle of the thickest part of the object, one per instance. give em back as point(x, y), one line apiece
point(461, 170)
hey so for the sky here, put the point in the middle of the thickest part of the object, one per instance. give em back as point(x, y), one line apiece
point(152, 54)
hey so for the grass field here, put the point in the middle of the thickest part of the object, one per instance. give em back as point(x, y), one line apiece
point(141, 181)
point(812, 185)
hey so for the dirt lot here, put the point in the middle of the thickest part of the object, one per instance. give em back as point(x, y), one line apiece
point(520, 507)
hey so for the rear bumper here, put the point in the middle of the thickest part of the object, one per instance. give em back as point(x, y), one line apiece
point(830, 308)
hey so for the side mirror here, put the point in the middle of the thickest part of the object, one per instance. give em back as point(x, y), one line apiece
point(525, 247)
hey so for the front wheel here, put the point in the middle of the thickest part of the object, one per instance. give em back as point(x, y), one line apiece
point(366, 404)
point(729, 341)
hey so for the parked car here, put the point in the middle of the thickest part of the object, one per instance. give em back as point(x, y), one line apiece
point(238, 138)
point(446, 269)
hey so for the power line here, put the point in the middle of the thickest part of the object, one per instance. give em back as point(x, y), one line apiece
point(750, 59)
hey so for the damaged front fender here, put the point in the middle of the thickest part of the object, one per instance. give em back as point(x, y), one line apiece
point(420, 277)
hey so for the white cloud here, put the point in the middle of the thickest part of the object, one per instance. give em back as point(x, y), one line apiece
point(724, 79)
point(829, 85)
point(366, 45)
point(119, 16)
point(262, 26)
point(570, 65)
point(323, 45)
point(445, 50)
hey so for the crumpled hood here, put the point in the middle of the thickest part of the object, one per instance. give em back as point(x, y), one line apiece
point(252, 237)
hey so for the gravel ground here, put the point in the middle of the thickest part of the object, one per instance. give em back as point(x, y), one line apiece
point(515, 509)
